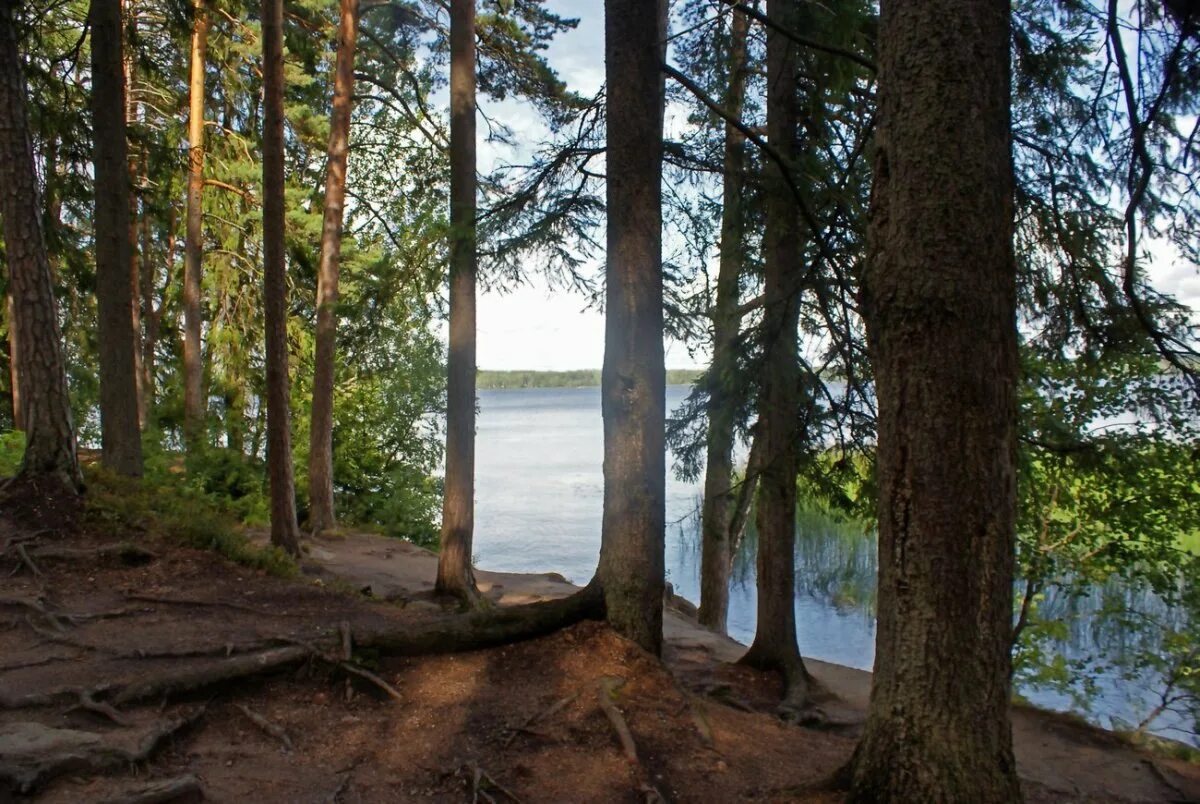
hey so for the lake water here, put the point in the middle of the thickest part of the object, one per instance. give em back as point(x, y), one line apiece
point(539, 498)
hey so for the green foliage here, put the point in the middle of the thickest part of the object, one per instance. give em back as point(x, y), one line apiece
point(12, 451)
point(170, 507)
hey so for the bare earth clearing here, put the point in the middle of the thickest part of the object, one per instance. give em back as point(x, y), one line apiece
point(174, 675)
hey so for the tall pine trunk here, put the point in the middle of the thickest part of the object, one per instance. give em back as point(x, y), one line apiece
point(716, 514)
point(633, 384)
point(778, 435)
point(285, 532)
point(136, 212)
point(454, 575)
point(14, 356)
point(193, 246)
point(44, 403)
point(120, 432)
point(939, 304)
point(320, 455)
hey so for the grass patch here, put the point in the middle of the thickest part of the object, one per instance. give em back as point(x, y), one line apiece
point(178, 514)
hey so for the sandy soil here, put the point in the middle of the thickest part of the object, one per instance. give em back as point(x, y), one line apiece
point(89, 640)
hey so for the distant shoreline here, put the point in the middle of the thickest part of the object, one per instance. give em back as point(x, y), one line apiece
point(578, 378)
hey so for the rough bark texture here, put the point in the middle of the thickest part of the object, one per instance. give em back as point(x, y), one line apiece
point(137, 167)
point(120, 432)
point(14, 355)
point(716, 556)
point(320, 453)
point(285, 532)
point(778, 434)
point(454, 574)
point(939, 304)
point(46, 408)
point(193, 245)
point(633, 391)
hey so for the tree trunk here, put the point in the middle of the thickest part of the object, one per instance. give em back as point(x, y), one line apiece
point(14, 355)
point(320, 456)
point(285, 532)
point(633, 387)
point(120, 433)
point(193, 246)
point(45, 405)
point(715, 553)
point(149, 313)
point(939, 304)
point(774, 645)
point(454, 575)
point(136, 167)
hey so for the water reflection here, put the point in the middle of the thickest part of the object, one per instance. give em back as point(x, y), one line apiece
point(539, 496)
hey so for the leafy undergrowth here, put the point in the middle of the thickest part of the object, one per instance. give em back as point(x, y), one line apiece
point(175, 510)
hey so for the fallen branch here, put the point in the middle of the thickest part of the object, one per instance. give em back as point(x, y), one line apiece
point(374, 679)
point(122, 550)
point(223, 604)
point(553, 709)
point(27, 561)
point(89, 703)
point(606, 690)
point(273, 729)
point(480, 777)
point(194, 677)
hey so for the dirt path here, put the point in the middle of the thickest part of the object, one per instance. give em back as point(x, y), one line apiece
point(169, 674)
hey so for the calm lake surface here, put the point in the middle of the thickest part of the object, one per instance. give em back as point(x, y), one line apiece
point(539, 498)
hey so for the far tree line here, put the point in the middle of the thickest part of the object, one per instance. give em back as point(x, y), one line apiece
point(920, 268)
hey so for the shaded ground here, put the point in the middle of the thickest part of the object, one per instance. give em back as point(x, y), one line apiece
point(111, 667)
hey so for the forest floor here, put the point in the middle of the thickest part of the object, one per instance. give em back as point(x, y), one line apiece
point(161, 673)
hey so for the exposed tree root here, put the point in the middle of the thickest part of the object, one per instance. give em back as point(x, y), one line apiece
point(126, 551)
point(177, 790)
point(221, 604)
point(23, 554)
point(273, 729)
point(606, 690)
point(525, 728)
point(31, 753)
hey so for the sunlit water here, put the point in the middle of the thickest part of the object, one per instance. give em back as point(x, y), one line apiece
point(539, 496)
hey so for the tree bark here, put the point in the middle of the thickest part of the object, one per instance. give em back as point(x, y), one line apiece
point(715, 538)
point(45, 405)
point(939, 304)
point(120, 433)
point(774, 645)
point(150, 317)
point(320, 460)
point(454, 575)
point(633, 383)
point(193, 245)
point(14, 355)
point(136, 167)
point(285, 532)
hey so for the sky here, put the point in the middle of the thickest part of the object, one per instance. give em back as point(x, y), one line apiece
point(532, 327)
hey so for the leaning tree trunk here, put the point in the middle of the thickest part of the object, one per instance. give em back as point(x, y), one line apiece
point(778, 436)
point(320, 453)
point(633, 387)
point(285, 532)
point(939, 305)
point(716, 555)
point(454, 575)
point(44, 404)
point(120, 433)
point(193, 245)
